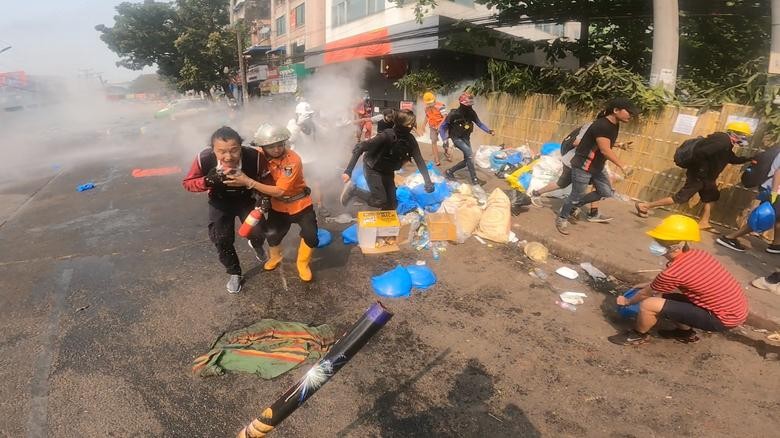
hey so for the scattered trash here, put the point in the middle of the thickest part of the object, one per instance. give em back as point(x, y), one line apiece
point(343, 218)
point(539, 273)
point(567, 306)
point(513, 237)
point(494, 417)
point(437, 248)
point(631, 311)
point(82, 308)
point(396, 283)
point(480, 194)
point(85, 187)
point(760, 330)
point(594, 272)
point(536, 252)
point(324, 237)
point(574, 298)
point(569, 273)
point(160, 171)
point(480, 240)
point(420, 263)
point(350, 235)
point(422, 276)
point(482, 157)
point(774, 337)
point(645, 271)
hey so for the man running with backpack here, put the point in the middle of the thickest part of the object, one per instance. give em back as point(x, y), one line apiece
point(704, 158)
point(765, 171)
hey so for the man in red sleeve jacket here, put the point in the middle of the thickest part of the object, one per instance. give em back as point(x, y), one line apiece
point(209, 174)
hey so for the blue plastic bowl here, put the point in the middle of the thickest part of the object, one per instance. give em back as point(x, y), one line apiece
point(631, 311)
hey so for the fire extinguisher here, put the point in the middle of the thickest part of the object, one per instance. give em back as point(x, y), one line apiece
point(254, 217)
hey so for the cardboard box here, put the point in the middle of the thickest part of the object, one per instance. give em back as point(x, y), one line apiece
point(378, 231)
point(441, 227)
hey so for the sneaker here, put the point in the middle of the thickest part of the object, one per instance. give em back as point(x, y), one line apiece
point(476, 181)
point(449, 175)
point(761, 283)
point(685, 336)
point(347, 193)
point(260, 254)
point(562, 225)
point(599, 219)
point(731, 243)
point(234, 284)
point(630, 338)
point(773, 249)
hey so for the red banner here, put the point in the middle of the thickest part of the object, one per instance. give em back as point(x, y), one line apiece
point(368, 45)
point(13, 79)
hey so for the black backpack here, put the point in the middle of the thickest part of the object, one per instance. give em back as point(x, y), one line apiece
point(754, 174)
point(683, 156)
point(396, 151)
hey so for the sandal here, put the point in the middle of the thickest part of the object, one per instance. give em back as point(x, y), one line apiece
point(630, 338)
point(680, 335)
point(639, 212)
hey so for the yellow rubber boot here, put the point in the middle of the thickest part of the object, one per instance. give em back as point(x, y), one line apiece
point(304, 257)
point(274, 259)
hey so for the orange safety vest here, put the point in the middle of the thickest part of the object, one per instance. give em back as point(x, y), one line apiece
point(434, 115)
point(287, 173)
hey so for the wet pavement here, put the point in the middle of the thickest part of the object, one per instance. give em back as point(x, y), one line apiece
point(108, 295)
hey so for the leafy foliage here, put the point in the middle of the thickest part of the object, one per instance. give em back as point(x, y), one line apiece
point(189, 41)
point(424, 80)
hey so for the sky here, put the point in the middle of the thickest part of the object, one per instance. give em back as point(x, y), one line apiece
point(58, 37)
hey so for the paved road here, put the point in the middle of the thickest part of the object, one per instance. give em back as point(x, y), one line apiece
point(108, 295)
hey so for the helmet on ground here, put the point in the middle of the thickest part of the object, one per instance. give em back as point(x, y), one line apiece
point(267, 135)
point(739, 128)
point(428, 98)
point(466, 99)
point(676, 228)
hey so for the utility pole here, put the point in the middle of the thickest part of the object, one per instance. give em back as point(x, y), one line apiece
point(241, 70)
point(666, 44)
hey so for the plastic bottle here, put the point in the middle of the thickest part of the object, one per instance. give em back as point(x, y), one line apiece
point(252, 219)
point(435, 249)
point(567, 306)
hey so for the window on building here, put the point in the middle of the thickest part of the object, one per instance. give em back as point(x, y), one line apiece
point(300, 15)
point(298, 51)
point(345, 11)
point(281, 26)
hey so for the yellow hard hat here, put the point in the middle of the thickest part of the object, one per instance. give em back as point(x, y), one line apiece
point(739, 127)
point(428, 98)
point(675, 228)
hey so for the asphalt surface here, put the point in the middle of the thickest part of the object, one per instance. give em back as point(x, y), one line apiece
point(109, 294)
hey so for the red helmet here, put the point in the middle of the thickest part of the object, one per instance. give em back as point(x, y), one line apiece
point(466, 99)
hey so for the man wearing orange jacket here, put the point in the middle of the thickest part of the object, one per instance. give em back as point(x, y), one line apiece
point(434, 115)
point(290, 198)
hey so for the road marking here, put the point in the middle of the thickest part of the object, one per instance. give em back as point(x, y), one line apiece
point(37, 423)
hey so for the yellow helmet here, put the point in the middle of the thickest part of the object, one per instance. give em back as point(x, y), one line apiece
point(675, 228)
point(428, 98)
point(739, 127)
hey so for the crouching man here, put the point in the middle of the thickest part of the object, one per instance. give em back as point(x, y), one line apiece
point(210, 173)
point(694, 291)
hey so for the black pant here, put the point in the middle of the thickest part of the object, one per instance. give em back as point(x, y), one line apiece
point(382, 189)
point(222, 230)
point(464, 144)
point(278, 224)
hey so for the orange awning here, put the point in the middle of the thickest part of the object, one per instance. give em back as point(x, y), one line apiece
point(364, 50)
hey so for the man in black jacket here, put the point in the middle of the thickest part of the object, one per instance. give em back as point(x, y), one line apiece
point(384, 154)
point(710, 157)
point(458, 126)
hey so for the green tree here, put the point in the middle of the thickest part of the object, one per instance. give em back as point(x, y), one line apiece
point(189, 41)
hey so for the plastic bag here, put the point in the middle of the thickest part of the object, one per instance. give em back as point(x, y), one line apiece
point(514, 178)
point(425, 200)
point(550, 148)
point(495, 223)
point(396, 283)
point(482, 157)
point(359, 178)
point(422, 276)
point(406, 201)
point(324, 237)
point(548, 169)
point(349, 236)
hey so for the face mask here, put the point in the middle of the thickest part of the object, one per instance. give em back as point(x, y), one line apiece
point(404, 129)
point(657, 249)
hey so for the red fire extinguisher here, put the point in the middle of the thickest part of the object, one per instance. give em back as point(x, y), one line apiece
point(252, 219)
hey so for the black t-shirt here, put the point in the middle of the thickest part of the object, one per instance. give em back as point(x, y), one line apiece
point(588, 157)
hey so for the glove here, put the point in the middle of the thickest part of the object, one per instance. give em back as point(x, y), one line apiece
point(429, 188)
point(214, 180)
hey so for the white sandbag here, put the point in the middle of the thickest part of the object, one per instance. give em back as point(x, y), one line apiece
point(467, 214)
point(496, 220)
point(482, 157)
point(548, 169)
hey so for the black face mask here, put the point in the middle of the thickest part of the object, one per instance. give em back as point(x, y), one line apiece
point(403, 129)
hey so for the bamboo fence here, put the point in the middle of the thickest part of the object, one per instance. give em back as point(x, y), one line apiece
point(538, 119)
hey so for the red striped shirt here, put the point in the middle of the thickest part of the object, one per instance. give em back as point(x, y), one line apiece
point(707, 284)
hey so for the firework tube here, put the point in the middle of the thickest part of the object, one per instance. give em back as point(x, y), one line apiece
point(342, 351)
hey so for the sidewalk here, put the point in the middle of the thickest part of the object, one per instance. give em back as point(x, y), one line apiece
point(620, 249)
